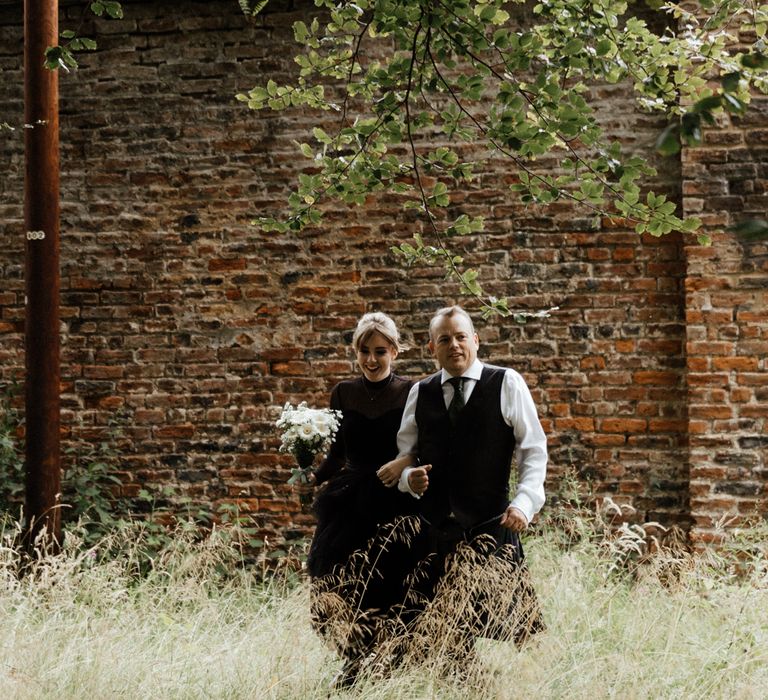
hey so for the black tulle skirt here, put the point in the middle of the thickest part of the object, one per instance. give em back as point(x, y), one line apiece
point(362, 558)
point(351, 509)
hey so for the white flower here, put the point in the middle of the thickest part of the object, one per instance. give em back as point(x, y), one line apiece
point(307, 430)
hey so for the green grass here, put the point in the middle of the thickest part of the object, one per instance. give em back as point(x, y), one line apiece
point(200, 625)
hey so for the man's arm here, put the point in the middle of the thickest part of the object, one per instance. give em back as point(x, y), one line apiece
point(413, 480)
point(519, 413)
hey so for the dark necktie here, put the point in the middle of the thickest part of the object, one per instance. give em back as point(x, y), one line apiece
point(457, 402)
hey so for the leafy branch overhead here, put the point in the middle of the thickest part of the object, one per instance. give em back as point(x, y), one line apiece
point(402, 74)
point(63, 55)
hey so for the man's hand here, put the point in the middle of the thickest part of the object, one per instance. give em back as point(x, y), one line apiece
point(514, 519)
point(418, 479)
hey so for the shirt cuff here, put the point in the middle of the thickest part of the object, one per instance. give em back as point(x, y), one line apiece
point(403, 484)
point(524, 504)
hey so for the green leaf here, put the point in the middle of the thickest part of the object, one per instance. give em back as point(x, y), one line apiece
point(501, 38)
point(59, 57)
point(320, 135)
point(707, 104)
point(603, 47)
point(756, 61)
point(573, 47)
point(751, 229)
point(306, 150)
point(245, 6)
point(500, 17)
point(300, 32)
point(485, 12)
point(733, 104)
point(690, 128)
point(114, 9)
point(730, 81)
point(690, 225)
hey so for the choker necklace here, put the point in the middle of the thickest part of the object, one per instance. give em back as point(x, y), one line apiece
point(385, 383)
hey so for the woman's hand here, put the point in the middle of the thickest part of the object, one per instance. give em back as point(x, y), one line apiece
point(306, 489)
point(389, 475)
point(390, 472)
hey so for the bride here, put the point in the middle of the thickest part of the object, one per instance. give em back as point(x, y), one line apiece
point(359, 557)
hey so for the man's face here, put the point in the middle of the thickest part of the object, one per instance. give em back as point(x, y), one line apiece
point(453, 344)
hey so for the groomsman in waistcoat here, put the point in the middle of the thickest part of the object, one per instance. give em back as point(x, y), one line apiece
point(465, 424)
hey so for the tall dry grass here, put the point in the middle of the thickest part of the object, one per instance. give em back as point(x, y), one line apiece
point(201, 624)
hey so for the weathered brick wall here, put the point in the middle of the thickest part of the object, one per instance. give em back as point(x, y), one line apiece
point(199, 327)
point(725, 182)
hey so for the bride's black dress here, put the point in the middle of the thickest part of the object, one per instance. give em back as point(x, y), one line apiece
point(360, 556)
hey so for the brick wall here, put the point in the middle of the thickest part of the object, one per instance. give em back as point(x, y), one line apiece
point(198, 327)
point(725, 182)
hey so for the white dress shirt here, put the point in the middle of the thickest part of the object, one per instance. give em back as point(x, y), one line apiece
point(519, 413)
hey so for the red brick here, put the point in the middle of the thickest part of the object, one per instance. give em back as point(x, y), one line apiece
point(623, 425)
point(175, 431)
point(593, 362)
point(225, 265)
point(292, 369)
point(753, 379)
point(708, 379)
point(740, 395)
point(667, 425)
point(710, 412)
point(624, 254)
point(698, 364)
point(104, 372)
point(710, 348)
point(282, 353)
point(746, 364)
point(709, 473)
point(582, 424)
point(754, 411)
point(656, 378)
point(625, 346)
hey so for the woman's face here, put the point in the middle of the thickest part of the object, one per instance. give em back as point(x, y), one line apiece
point(375, 357)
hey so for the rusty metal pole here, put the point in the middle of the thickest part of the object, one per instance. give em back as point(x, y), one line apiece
point(41, 215)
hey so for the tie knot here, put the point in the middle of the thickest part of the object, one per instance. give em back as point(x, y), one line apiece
point(457, 383)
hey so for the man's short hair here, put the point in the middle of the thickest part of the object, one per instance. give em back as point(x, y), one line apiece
point(447, 312)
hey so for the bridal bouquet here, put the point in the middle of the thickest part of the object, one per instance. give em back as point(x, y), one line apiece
point(305, 433)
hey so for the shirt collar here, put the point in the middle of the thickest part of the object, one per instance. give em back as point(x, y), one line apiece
point(475, 371)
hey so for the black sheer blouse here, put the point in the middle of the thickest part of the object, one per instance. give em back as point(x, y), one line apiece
point(371, 413)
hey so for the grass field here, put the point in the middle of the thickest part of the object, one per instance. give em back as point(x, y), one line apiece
point(198, 625)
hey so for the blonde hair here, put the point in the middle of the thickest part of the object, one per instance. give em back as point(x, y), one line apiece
point(376, 322)
point(447, 312)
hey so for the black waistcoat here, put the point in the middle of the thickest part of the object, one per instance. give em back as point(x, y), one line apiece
point(470, 461)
